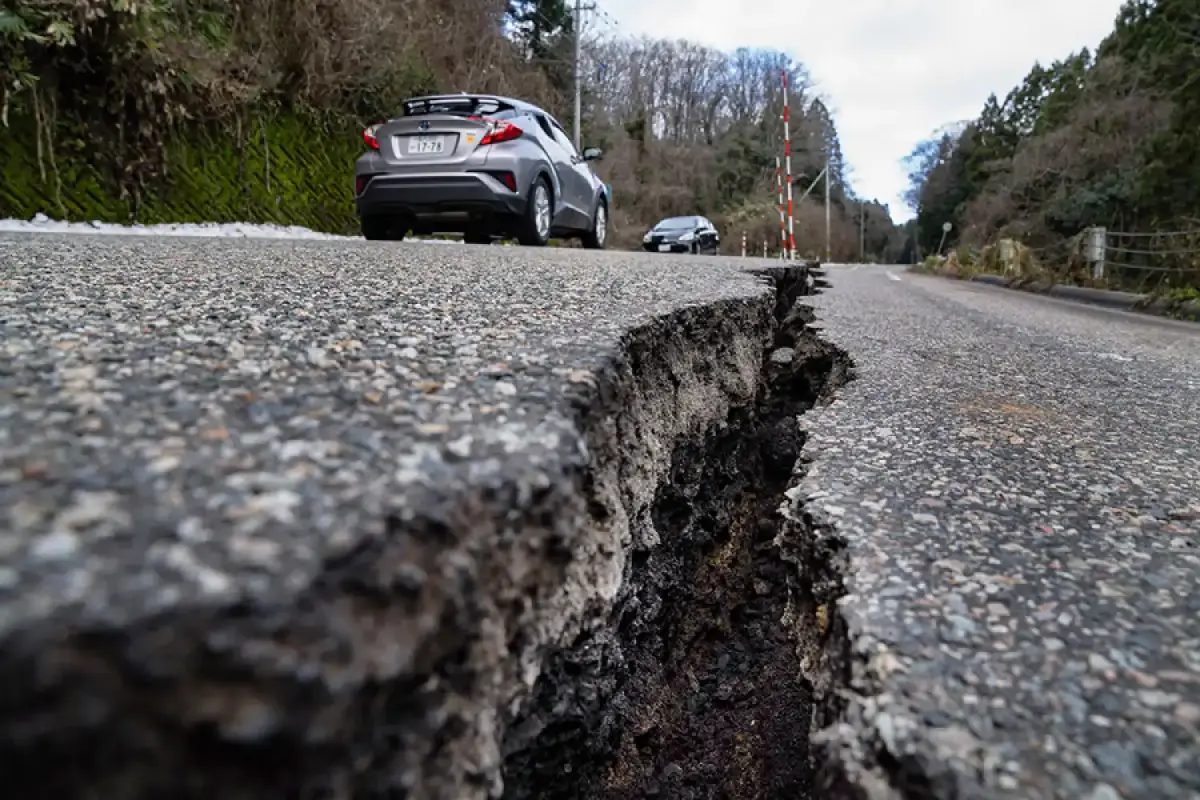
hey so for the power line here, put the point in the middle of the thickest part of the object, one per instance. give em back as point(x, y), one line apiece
point(605, 17)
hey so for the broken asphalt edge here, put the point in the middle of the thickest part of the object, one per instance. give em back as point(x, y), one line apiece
point(405, 661)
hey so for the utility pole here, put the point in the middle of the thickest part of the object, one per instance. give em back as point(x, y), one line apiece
point(862, 233)
point(828, 191)
point(578, 70)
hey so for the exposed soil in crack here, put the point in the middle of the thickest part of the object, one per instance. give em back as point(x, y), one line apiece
point(701, 684)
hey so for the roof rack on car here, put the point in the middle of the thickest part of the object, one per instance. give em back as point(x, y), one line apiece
point(456, 104)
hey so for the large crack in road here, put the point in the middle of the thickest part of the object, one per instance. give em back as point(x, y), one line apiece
point(701, 682)
point(352, 520)
point(446, 533)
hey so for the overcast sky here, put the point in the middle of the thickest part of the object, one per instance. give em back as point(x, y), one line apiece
point(894, 70)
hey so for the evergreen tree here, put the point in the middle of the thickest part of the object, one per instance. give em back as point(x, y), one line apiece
point(540, 25)
point(544, 30)
point(1105, 138)
point(827, 148)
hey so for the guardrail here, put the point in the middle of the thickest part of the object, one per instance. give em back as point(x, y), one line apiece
point(1147, 263)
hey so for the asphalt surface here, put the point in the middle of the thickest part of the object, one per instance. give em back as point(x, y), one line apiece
point(176, 411)
point(1018, 479)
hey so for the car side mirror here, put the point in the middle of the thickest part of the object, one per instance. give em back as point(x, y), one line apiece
point(592, 154)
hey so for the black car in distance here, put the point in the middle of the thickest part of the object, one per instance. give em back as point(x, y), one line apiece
point(683, 235)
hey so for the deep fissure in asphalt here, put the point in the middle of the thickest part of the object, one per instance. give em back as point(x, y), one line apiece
point(700, 685)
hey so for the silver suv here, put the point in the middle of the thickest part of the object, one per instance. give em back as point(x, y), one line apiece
point(480, 165)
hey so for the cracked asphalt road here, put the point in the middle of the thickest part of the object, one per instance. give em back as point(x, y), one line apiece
point(1019, 482)
point(334, 501)
point(1018, 478)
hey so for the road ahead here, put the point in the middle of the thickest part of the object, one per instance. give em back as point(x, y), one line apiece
point(344, 498)
point(1019, 480)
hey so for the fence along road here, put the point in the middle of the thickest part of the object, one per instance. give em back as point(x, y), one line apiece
point(1142, 263)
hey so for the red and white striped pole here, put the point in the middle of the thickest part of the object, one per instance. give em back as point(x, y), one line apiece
point(787, 156)
point(783, 242)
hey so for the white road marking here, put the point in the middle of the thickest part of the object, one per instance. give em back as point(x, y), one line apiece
point(893, 276)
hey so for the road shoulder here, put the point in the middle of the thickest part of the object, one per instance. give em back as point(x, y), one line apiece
point(1120, 301)
point(1017, 507)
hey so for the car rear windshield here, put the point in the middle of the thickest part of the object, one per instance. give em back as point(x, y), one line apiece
point(465, 105)
point(676, 223)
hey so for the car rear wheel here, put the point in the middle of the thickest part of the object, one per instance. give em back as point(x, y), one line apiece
point(383, 229)
point(534, 230)
point(596, 238)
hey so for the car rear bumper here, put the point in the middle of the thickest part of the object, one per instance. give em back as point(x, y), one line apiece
point(437, 195)
point(673, 247)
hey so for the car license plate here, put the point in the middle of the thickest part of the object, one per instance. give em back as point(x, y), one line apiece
point(664, 248)
point(425, 145)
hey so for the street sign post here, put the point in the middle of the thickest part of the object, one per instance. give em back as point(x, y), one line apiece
point(946, 226)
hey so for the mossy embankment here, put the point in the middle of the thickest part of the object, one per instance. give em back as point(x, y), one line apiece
point(286, 167)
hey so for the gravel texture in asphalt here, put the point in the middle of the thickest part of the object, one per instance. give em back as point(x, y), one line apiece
point(334, 495)
point(158, 392)
point(1018, 481)
point(342, 497)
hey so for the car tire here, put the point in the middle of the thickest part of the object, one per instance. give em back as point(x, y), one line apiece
point(381, 229)
point(693, 249)
point(534, 228)
point(597, 237)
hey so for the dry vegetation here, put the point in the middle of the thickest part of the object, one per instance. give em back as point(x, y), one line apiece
point(690, 129)
point(1106, 139)
point(686, 129)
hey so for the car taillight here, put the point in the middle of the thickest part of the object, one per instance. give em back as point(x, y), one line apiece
point(500, 132)
point(369, 137)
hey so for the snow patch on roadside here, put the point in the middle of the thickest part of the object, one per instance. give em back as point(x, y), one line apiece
point(211, 230)
point(232, 230)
